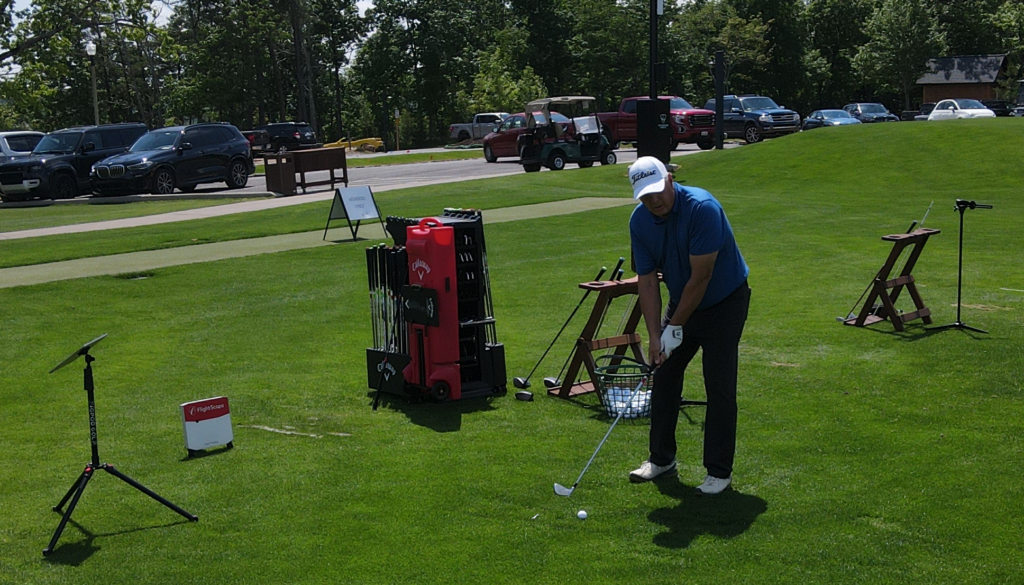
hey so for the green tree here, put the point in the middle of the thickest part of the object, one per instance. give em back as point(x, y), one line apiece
point(836, 32)
point(500, 84)
point(902, 36)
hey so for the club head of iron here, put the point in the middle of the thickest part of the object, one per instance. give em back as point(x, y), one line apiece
point(550, 383)
point(563, 491)
point(521, 383)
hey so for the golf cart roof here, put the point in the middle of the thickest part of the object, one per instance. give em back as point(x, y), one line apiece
point(547, 102)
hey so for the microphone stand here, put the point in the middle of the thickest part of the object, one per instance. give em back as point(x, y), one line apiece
point(961, 206)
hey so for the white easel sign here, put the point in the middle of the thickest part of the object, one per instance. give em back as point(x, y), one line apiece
point(207, 423)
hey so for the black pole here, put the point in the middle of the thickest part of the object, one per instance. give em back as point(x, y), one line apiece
point(719, 99)
point(960, 267)
point(92, 411)
point(654, 50)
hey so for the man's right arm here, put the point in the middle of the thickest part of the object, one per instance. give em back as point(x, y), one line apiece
point(649, 289)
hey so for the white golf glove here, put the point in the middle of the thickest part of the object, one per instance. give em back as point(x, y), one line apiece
point(671, 337)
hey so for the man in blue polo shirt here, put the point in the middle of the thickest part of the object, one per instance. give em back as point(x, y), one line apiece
point(682, 232)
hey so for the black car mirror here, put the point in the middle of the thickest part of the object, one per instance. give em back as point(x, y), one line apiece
point(737, 111)
point(88, 146)
point(185, 146)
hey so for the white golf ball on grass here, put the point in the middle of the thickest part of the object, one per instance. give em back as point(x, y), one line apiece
point(582, 514)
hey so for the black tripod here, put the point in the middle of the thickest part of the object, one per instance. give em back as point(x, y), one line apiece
point(961, 206)
point(75, 492)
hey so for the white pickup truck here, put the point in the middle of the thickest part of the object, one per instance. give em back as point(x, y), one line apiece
point(481, 125)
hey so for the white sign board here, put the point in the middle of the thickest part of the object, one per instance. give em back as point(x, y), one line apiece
point(207, 423)
point(354, 204)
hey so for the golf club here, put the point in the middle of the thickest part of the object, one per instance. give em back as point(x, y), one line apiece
point(524, 383)
point(555, 382)
point(560, 489)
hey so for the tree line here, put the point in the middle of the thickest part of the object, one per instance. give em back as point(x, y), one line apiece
point(435, 62)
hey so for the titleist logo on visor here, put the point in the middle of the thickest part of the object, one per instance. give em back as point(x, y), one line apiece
point(642, 175)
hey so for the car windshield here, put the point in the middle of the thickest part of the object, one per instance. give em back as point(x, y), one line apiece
point(60, 142)
point(680, 104)
point(873, 109)
point(758, 103)
point(970, 104)
point(156, 140)
point(835, 114)
point(555, 117)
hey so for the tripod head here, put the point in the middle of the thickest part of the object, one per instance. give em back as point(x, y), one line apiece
point(962, 204)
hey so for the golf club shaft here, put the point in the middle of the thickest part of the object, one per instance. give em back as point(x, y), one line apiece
point(615, 422)
point(566, 324)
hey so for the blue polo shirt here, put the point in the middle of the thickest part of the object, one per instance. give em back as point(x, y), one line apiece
point(696, 226)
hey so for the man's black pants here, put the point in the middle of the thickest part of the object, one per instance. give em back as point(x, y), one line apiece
point(717, 331)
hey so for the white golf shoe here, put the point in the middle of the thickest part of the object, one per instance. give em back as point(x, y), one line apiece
point(713, 485)
point(649, 471)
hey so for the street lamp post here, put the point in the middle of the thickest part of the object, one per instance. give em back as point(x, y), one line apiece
point(90, 49)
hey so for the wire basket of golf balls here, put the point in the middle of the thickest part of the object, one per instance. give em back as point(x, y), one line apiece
point(618, 383)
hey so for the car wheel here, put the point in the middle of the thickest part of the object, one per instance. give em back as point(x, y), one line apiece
point(488, 154)
point(463, 136)
point(586, 164)
point(751, 134)
point(238, 175)
point(163, 182)
point(706, 144)
point(63, 187)
point(608, 158)
point(532, 167)
point(556, 161)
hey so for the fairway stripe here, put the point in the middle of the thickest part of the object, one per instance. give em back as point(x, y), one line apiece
point(153, 259)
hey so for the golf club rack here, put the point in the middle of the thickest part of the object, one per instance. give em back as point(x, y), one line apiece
point(431, 309)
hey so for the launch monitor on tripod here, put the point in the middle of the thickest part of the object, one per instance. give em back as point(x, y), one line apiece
point(75, 492)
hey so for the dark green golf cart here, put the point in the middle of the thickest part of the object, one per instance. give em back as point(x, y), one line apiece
point(551, 143)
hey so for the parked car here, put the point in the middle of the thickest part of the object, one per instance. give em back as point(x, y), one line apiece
point(58, 167)
point(1000, 108)
point(926, 108)
point(689, 124)
point(822, 118)
point(869, 113)
point(481, 126)
point(754, 118)
point(18, 143)
point(551, 143)
point(959, 109)
point(259, 140)
point(285, 136)
point(180, 156)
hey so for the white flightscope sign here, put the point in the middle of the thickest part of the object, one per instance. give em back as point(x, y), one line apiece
point(207, 423)
point(353, 204)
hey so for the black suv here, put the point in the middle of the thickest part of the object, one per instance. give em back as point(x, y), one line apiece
point(58, 167)
point(179, 156)
point(289, 136)
point(754, 118)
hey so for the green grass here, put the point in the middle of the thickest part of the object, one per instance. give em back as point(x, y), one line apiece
point(27, 218)
point(404, 159)
point(482, 194)
point(864, 456)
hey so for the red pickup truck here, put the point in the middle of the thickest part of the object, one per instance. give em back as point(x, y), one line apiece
point(690, 125)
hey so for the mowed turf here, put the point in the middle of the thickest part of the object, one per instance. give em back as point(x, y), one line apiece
point(864, 456)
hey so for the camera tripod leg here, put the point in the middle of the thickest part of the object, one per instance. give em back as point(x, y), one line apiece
point(110, 469)
point(83, 480)
point(71, 490)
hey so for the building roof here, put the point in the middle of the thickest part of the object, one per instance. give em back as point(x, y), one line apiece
point(964, 69)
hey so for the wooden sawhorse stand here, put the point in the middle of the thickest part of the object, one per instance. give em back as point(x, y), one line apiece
point(881, 285)
point(586, 345)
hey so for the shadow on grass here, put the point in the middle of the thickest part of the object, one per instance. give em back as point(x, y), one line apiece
point(76, 553)
point(443, 417)
point(726, 515)
point(918, 331)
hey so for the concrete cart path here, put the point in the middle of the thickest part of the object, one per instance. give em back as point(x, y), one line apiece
point(151, 260)
point(213, 211)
